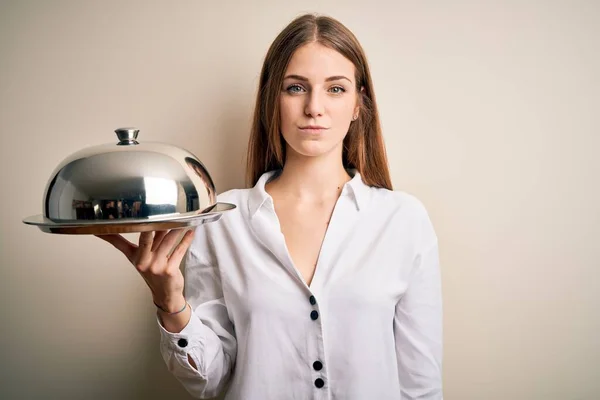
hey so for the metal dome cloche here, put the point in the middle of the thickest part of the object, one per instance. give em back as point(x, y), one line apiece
point(128, 186)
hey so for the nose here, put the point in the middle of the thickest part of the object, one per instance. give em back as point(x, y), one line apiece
point(314, 104)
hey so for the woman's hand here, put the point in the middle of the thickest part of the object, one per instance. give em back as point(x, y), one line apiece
point(158, 265)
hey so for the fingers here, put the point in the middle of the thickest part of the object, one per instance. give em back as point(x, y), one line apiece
point(153, 248)
point(181, 248)
point(158, 238)
point(167, 244)
point(144, 253)
point(122, 244)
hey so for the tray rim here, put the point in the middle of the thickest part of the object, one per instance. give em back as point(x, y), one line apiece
point(40, 221)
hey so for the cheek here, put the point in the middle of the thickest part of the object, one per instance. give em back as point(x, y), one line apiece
point(342, 106)
point(342, 111)
point(288, 110)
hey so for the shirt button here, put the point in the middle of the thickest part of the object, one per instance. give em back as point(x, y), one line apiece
point(319, 383)
point(318, 365)
point(182, 342)
point(312, 300)
point(314, 315)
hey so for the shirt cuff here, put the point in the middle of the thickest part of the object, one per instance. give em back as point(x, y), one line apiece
point(191, 335)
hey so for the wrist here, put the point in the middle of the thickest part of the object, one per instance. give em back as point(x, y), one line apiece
point(171, 305)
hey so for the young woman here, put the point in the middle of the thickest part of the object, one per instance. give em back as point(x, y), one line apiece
point(324, 283)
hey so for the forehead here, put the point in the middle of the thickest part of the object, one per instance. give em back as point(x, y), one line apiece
point(318, 62)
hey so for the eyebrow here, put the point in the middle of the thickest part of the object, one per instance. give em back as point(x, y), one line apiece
point(305, 79)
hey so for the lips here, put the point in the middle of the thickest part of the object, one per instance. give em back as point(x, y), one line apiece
point(313, 129)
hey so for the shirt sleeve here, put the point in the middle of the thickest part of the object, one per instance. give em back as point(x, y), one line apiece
point(418, 322)
point(208, 338)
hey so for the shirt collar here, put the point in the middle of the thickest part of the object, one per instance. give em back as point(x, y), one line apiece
point(258, 195)
point(354, 188)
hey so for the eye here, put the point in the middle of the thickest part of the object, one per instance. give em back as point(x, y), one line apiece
point(295, 89)
point(337, 90)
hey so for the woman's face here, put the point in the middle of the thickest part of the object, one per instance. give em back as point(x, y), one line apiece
point(318, 100)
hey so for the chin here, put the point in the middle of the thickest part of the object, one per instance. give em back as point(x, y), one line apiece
point(312, 148)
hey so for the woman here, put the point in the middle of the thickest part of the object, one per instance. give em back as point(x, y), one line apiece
point(323, 283)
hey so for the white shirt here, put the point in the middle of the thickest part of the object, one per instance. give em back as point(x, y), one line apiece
point(369, 326)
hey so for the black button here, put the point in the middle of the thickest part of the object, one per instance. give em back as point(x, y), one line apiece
point(319, 383)
point(314, 315)
point(182, 342)
point(318, 365)
point(312, 300)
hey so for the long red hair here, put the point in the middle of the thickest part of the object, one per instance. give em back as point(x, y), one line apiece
point(364, 147)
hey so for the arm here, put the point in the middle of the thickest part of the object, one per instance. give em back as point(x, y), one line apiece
point(418, 324)
point(202, 354)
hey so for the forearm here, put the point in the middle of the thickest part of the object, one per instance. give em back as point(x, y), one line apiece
point(175, 323)
point(200, 358)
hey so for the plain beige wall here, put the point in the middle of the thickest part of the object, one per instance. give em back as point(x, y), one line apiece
point(490, 115)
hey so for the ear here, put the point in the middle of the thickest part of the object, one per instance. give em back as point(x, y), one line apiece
point(359, 101)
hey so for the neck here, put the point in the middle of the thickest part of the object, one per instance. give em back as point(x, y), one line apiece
point(312, 178)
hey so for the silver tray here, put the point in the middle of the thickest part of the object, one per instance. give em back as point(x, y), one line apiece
point(105, 227)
